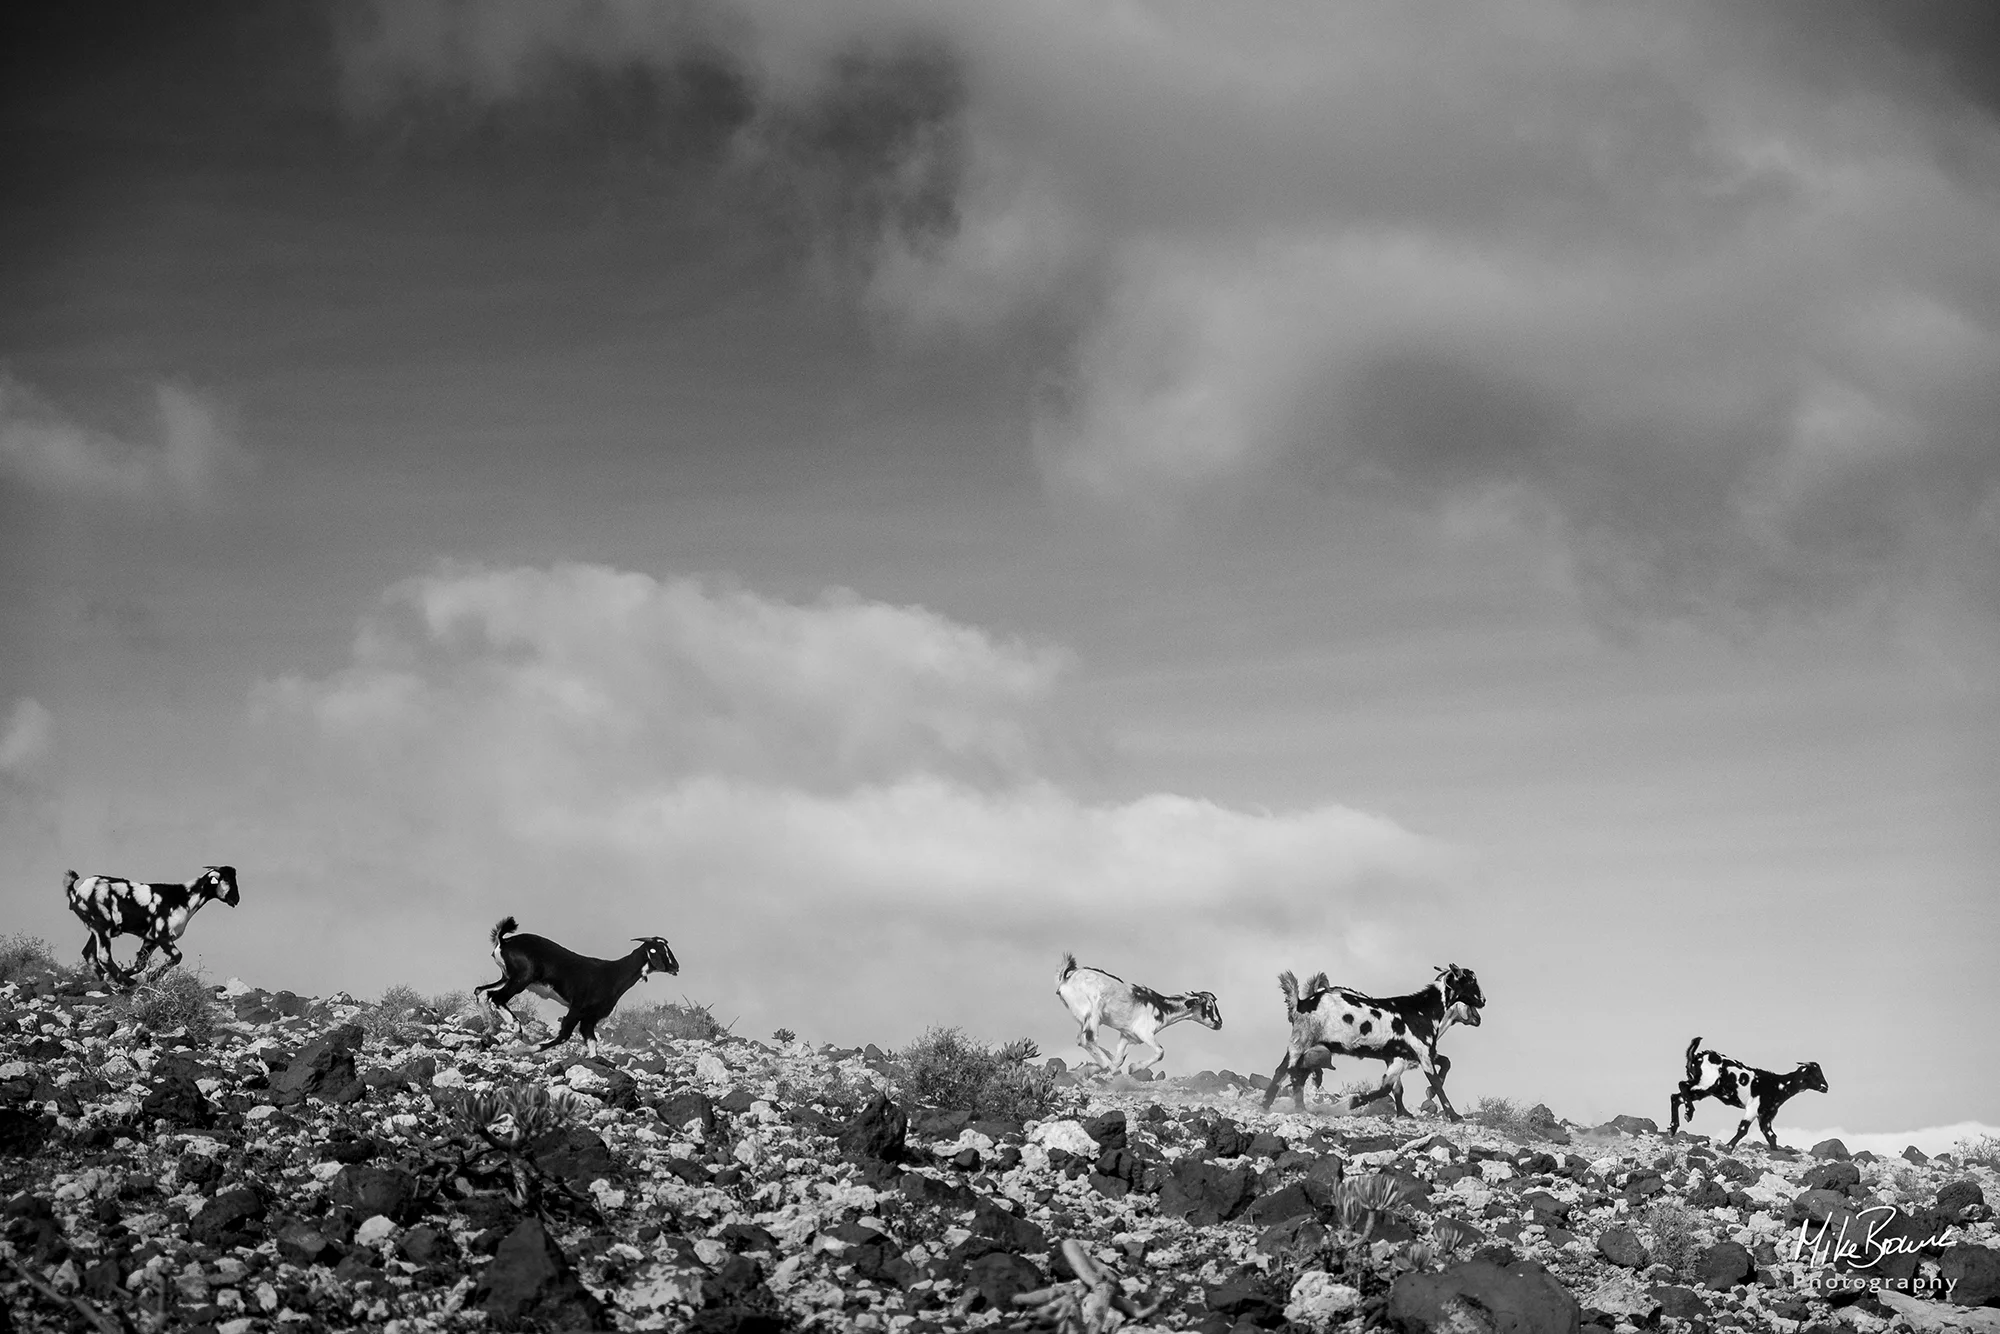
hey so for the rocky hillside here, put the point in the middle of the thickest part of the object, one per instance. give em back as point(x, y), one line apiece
point(311, 1166)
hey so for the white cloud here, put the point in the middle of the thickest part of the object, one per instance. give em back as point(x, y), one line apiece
point(27, 738)
point(1891, 1143)
point(837, 809)
point(45, 449)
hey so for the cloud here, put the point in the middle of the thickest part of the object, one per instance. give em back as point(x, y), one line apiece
point(1701, 305)
point(1891, 1143)
point(769, 784)
point(49, 452)
point(27, 738)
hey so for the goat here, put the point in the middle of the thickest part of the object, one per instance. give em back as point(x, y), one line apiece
point(1402, 1031)
point(156, 913)
point(1757, 1093)
point(589, 987)
point(1098, 999)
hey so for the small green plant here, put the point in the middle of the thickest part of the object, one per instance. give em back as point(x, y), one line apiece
point(676, 1021)
point(784, 1035)
point(502, 1128)
point(1673, 1232)
point(177, 999)
point(1979, 1151)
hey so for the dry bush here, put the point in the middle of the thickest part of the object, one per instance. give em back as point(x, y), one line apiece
point(945, 1068)
point(1673, 1235)
point(27, 959)
point(671, 1021)
point(179, 998)
point(1504, 1115)
point(1979, 1151)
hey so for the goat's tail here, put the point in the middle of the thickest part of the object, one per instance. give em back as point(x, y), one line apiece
point(69, 881)
point(1069, 966)
point(1694, 1066)
point(1288, 983)
point(506, 926)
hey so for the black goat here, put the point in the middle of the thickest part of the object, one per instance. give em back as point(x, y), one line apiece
point(156, 913)
point(590, 987)
point(1758, 1093)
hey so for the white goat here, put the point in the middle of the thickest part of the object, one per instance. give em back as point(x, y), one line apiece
point(1099, 1000)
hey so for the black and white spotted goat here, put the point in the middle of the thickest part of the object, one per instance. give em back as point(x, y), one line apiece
point(156, 913)
point(589, 987)
point(1758, 1093)
point(1402, 1031)
point(1099, 1000)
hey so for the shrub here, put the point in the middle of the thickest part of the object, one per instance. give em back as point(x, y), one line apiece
point(179, 998)
point(944, 1068)
point(26, 959)
point(1504, 1115)
point(784, 1035)
point(1674, 1235)
point(1979, 1151)
point(678, 1021)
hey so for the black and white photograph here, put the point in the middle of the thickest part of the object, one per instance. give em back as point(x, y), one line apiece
point(937, 665)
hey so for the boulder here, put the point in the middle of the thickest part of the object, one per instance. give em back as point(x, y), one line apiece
point(229, 1219)
point(368, 1190)
point(1621, 1246)
point(1831, 1149)
point(1636, 1125)
point(1956, 1195)
point(574, 1155)
point(1480, 1297)
point(1204, 1193)
point(999, 1276)
point(530, 1279)
point(1724, 1265)
point(1837, 1174)
point(324, 1068)
point(1973, 1274)
point(876, 1134)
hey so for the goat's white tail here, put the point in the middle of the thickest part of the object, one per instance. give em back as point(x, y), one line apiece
point(1288, 983)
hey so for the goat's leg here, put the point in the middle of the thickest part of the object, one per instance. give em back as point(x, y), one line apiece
point(1159, 1054)
point(1674, 1101)
point(1271, 1089)
point(1118, 1053)
point(496, 995)
point(173, 961)
point(562, 1033)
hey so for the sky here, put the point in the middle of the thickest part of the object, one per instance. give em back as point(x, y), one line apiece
point(885, 494)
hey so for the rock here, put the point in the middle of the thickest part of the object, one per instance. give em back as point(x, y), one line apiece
point(302, 1243)
point(368, 1190)
point(1205, 1194)
point(1636, 1125)
point(1620, 1298)
point(1835, 1175)
point(1012, 1231)
point(998, 1276)
point(1621, 1246)
point(1108, 1130)
point(1289, 1202)
point(876, 1133)
point(1679, 1302)
point(1246, 1298)
point(689, 1107)
point(1956, 1195)
point(1545, 1208)
point(1319, 1302)
point(22, 1133)
point(423, 1245)
point(574, 1155)
point(229, 1219)
point(1972, 1273)
point(1708, 1195)
point(179, 1100)
point(1323, 1178)
point(531, 1279)
point(1831, 1148)
point(1933, 1318)
point(374, 1230)
point(1480, 1297)
point(1817, 1205)
point(324, 1068)
point(1226, 1139)
point(1913, 1154)
point(1724, 1265)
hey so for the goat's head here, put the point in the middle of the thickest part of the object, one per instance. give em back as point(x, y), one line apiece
point(1203, 1010)
point(1810, 1076)
point(659, 957)
point(1463, 999)
point(219, 882)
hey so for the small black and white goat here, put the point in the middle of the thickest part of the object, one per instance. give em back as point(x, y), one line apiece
point(1758, 1093)
point(156, 913)
point(590, 987)
point(1100, 1000)
point(1402, 1031)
